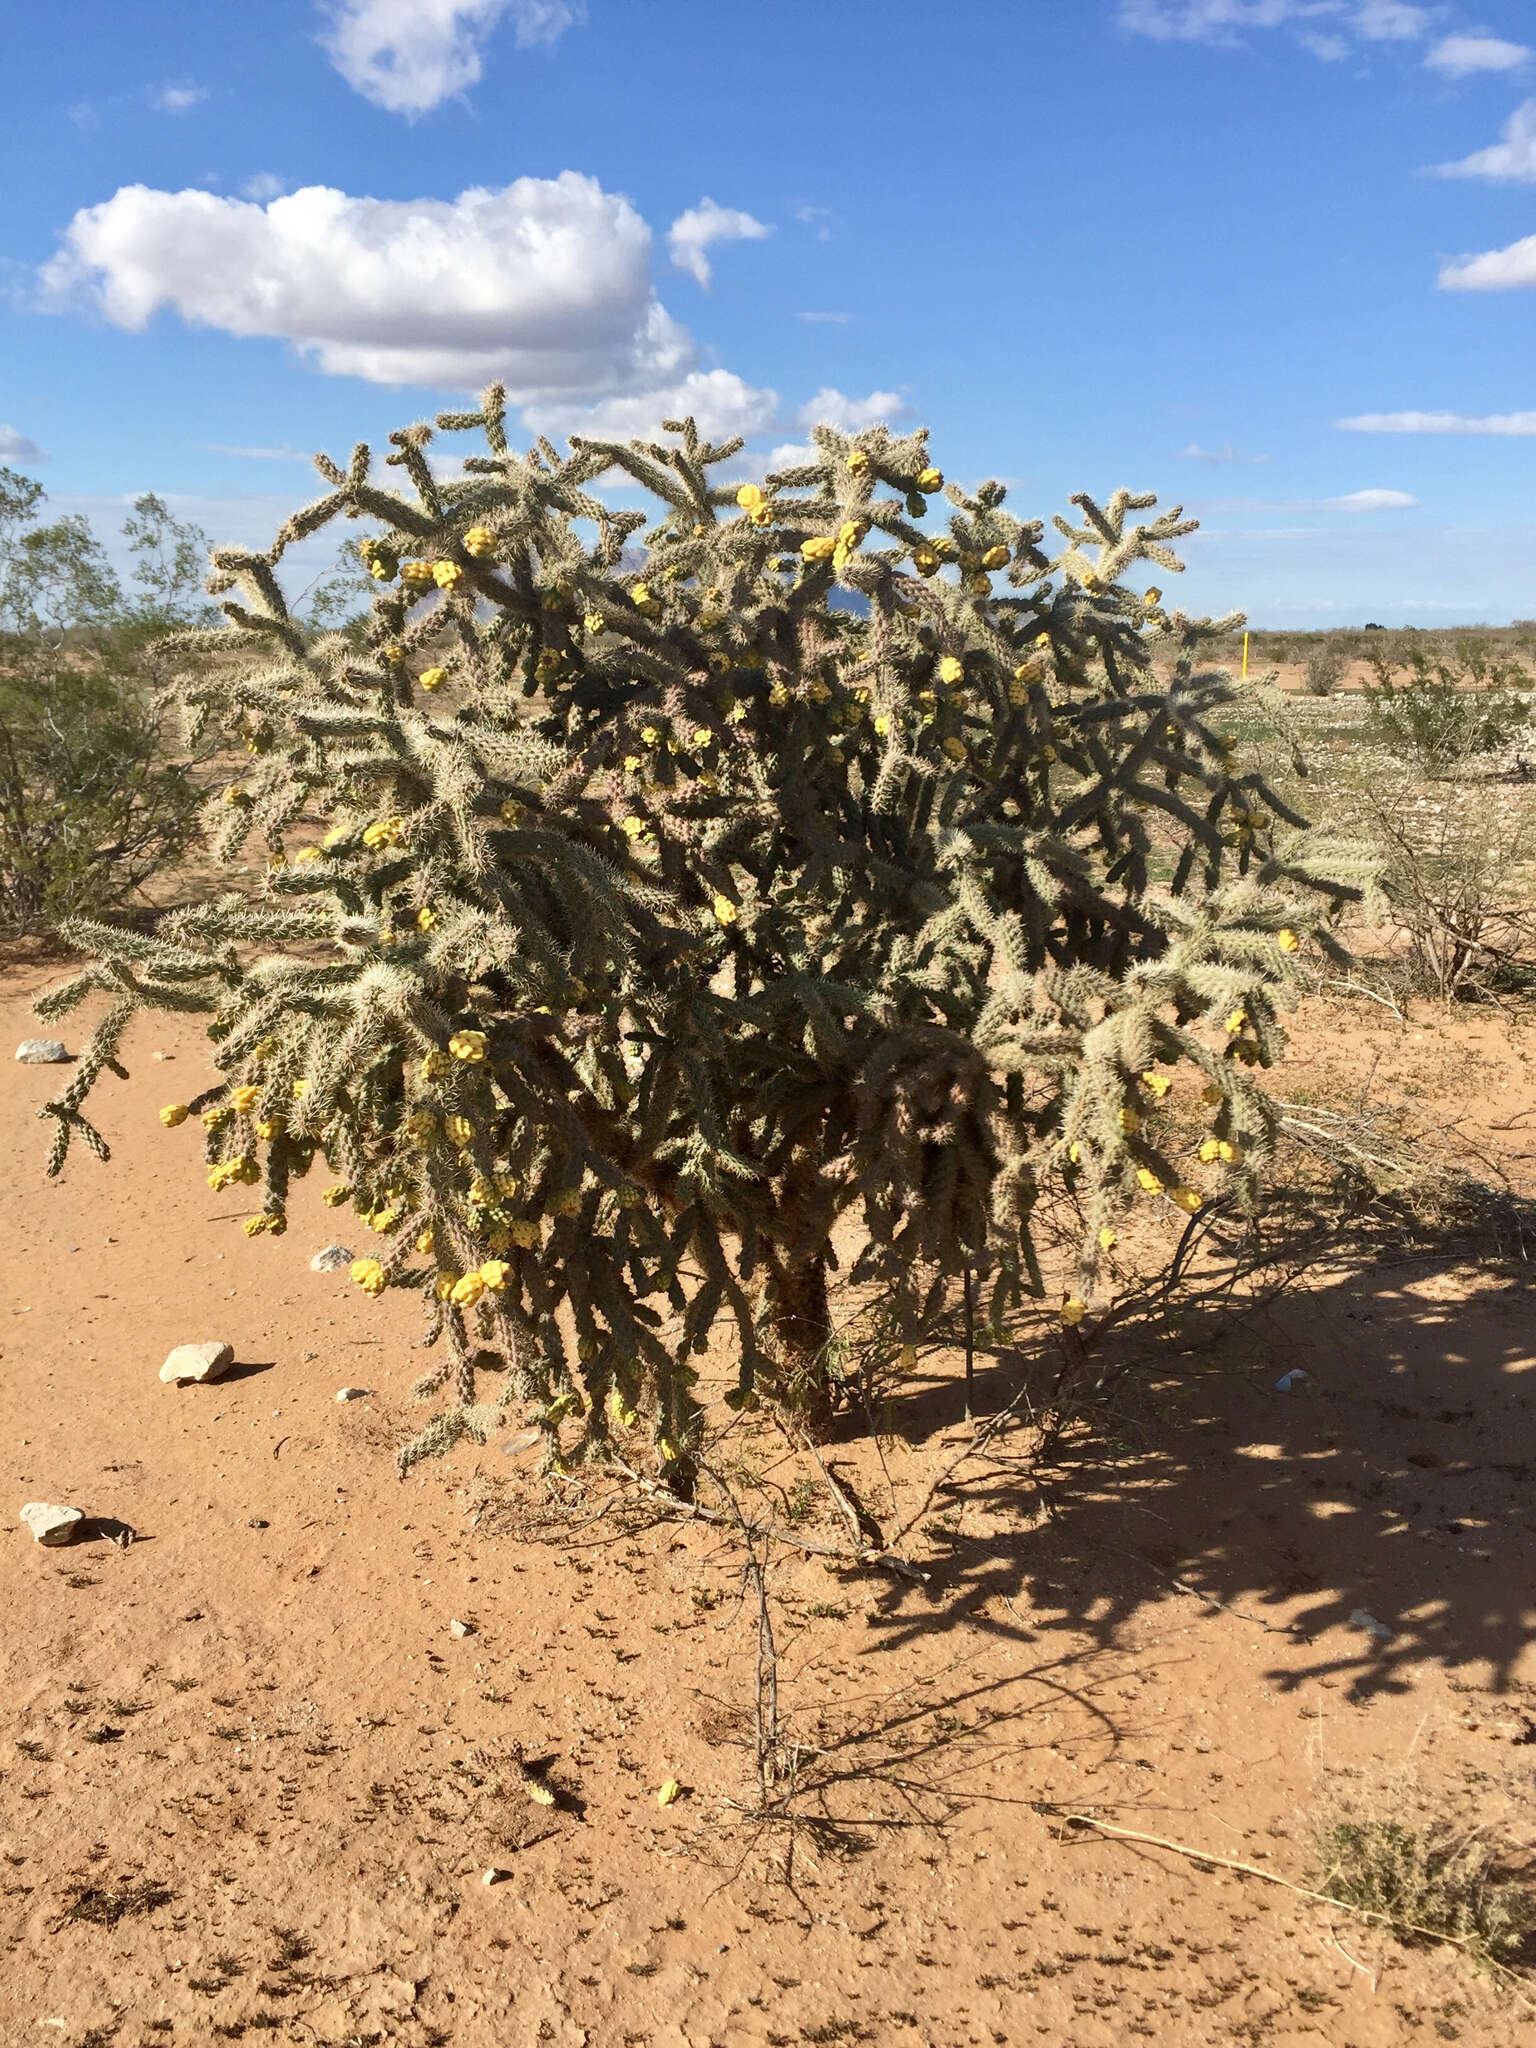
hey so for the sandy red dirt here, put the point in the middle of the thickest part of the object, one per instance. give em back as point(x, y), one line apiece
point(256, 1724)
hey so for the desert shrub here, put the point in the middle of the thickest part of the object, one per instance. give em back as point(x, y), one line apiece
point(91, 807)
point(92, 804)
point(1430, 1879)
point(667, 911)
point(1325, 666)
point(1451, 707)
point(1457, 876)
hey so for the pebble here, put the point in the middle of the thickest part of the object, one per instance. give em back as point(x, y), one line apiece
point(331, 1260)
point(192, 1364)
point(353, 1393)
point(495, 1876)
point(162, 1055)
point(461, 1628)
point(51, 1525)
point(41, 1052)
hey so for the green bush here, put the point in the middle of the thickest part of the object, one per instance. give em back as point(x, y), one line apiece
point(693, 884)
point(1450, 708)
point(90, 807)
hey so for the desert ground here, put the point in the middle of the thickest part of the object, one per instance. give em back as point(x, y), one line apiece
point(256, 1763)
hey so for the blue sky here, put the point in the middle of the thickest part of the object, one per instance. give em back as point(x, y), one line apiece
point(1273, 259)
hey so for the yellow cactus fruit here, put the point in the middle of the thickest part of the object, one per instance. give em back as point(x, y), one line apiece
point(566, 1203)
point(725, 910)
point(1287, 941)
point(640, 594)
point(300, 1089)
point(244, 1099)
point(446, 575)
point(995, 558)
point(174, 1113)
point(270, 1127)
point(444, 1285)
point(620, 1411)
point(1075, 1152)
point(468, 1046)
point(749, 497)
point(669, 1791)
point(1156, 1084)
point(1210, 1149)
point(1149, 1180)
point(335, 1196)
point(432, 678)
point(951, 669)
point(459, 1129)
point(415, 572)
point(424, 1243)
point(435, 1065)
point(523, 1232)
point(1107, 1239)
point(819, 548)
point(858, 463)
point(1228, 1153)
point(1073, 1311)
point(494, 1273)
point(1152, 595)
point(368, 1274)
point(1188, 1199)
point(955, 749)
point(467, 1291)
point(925, 562)
point(480, 542)
point(1129, 1122)
point(930, 480)
point(1236, 1021)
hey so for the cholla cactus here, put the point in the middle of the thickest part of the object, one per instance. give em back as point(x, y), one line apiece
point(814, 862)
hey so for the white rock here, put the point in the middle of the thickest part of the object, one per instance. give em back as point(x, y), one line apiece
point(50, 1524)
point(495, 1876)
point(1367, 1623)
point(461, 1628)
point(41, 1052)
point(353, 1393)
point(192, 1364)
point(331, 1260)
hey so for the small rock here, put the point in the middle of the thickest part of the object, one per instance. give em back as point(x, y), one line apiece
point(192, 1364)
point(258, 1522)
point(163, 1055)
point(51, 1525)
point(1369, 1625)
point(461, 1628)
point(495, 1876)
point(331, 1260)
point(41, 1052)
point(1292, 1382)
point(353, 1393)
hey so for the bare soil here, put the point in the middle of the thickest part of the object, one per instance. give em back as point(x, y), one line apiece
point(251, 1778)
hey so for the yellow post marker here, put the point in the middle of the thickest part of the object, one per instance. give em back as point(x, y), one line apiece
point(1245, 657)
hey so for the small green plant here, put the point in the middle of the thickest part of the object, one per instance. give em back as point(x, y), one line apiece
point(651, 893)
point(1450, 708)
point(1423, 1881)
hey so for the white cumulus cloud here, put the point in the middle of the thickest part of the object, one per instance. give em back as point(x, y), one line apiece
point(177, 99)
point(1465, 56)
point(544, 283)
point(832, 408)
point(1496, 270)
point(408, 56)
point(722, 403)
point(18, 447)
point(1510, 161)
point(691, 234)
point(1508, 423)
